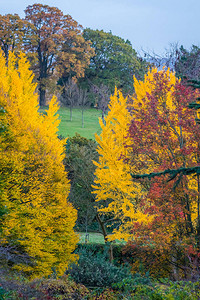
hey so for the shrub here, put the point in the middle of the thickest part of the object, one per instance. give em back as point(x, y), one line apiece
point(63, 288)
point(94, 270)
point(148, 259)
point(129, 283)
point(45, 289)
point(179, 290)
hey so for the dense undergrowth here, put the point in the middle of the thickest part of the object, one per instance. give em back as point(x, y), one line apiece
point(94, 277)
point(135, 287)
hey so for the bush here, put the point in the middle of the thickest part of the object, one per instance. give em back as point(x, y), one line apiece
point(94, 270)
point(129, 283)
point(63, 288)
point(47, 289)
point(179, 290)
point(142, 288)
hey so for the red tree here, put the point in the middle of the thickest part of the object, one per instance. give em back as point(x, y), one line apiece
point(165, 136)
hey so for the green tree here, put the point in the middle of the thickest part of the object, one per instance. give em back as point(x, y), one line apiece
point(115, 61)
point(80, 153)
point(79, 162)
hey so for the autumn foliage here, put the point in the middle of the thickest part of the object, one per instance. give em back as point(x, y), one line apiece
point(160, 213)
point(113, 187)
point(36, 218)
point(56, 46)
point(164, 136)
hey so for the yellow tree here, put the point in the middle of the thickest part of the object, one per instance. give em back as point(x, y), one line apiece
point(36, 218)
point(114, 188)
point(158, 135)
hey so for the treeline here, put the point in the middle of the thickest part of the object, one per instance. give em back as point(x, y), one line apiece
point(81, 65)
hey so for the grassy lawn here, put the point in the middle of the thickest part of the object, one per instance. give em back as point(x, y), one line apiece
point(68, 128)
point(95, 238)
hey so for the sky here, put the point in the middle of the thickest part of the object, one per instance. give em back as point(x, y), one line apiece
point(150, 25)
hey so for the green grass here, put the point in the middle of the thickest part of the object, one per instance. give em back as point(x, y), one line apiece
point(94, 238)
point(68, 128)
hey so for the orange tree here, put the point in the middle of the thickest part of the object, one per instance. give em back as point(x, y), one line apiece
point(56, 43)
point(13, 33)
point(36, 218)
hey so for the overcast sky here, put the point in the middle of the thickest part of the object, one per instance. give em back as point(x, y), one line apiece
point(149, 24)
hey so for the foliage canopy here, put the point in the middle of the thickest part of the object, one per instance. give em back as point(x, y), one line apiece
point(36, 218)
point(115, 61)
point(152, 132)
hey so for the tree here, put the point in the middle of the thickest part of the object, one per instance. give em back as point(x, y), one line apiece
point(70, 95)
point(180, 60)
point(168, 59)
point(152, 133)
point(82, 102)
point(102, 94)
point(187, 66)
point(74, 96)
point(164, 142)
point(168, 135)
point(80, 152)
point(115, 61)
point(12, 33)
point(57, 44)
point(37, 218)
point(113, 186)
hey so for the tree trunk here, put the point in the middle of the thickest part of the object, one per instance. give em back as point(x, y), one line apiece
point(6, 54)
point(71, 113)
point(43, 76)
point(103, 117)
point(42, 96)
point(82, 119)
point(105, 237)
